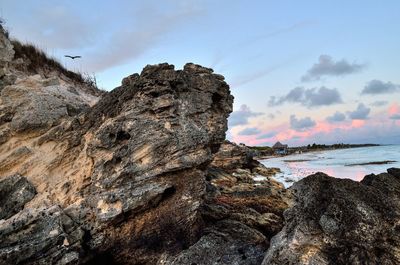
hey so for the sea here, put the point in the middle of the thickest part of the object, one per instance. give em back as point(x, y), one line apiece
point(339, 163)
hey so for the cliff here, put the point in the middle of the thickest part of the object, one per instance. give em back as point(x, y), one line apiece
point(89, 177)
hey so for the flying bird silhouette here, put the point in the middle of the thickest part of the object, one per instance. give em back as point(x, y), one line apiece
point(73, 57)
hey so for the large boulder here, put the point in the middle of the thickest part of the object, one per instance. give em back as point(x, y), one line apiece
point(340, 221)
point(130, 172)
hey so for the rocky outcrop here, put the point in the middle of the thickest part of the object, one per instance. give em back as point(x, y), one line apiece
point(242, 209)
point(232, 156)
point(6, 48)
point(340, 221)
point(121, 176)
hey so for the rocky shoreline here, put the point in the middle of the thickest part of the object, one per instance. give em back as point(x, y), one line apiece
point(143, 175)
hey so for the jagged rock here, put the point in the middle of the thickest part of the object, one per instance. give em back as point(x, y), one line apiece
point(6, 48)
point(340, 221)
point(232, 156)
point(220, 248)
point(124, 177)
point(129, 171)
point(159, 170)
point(33, 105)
point(240, 213)
point(394, 172)
point(15, 192)
point(40, 236)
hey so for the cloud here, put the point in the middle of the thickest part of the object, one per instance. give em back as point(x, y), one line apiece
point(395, 116)
point(130, 30)
point(374, 87)
point(266, 135)
point(337, 117)
point(312, 97)
point(301, 124)
point(249, 131)
point(271, 116)
point(379, 103)
point(241, 116)
point(130, 42)
point(56, 26)
point(361, 113)
point(326, 66)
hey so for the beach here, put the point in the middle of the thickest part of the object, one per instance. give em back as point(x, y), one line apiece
point(352, 163)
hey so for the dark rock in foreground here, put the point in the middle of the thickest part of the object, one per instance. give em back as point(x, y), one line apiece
point(15, 192)
point(240, 213)
point(340, 221)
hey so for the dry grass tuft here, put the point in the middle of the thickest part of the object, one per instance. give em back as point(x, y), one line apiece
point(38, 61)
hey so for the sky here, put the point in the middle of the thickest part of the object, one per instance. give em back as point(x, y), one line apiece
point(300, 71)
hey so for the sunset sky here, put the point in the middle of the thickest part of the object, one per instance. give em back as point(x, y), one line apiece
point(300, 71)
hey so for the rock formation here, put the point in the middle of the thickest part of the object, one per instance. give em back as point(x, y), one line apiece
point(242, 209)
point(340, 221)
point(143, 175)
point(122, 177)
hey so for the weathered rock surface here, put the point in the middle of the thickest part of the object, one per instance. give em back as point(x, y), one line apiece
point(340, 221)
point(241, 213)
point(15, 192)
point(232, 156)
point(120, 176)
point(40, 236)
point(6, 48)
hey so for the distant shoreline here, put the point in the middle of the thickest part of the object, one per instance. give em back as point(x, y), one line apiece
point(267, 152)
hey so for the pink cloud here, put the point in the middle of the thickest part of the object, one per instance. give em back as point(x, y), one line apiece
point(323, 132)
point(357, 123)
point(394, 109)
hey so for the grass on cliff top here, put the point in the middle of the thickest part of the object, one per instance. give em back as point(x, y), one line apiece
point(39, 62)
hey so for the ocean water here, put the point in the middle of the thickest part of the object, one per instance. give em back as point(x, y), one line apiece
point(336, 163)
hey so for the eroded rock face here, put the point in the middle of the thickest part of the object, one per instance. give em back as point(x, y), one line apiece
point(340, 221)
point(151, 139)
point(242, 209)
point(232, 156)
point(6, 48)
point(124, 177)
point(121, 181)
point(40, 236)
point(15, 192)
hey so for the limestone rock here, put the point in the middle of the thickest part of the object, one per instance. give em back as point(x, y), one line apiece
point(340, 221)
point(124, 177)
point(129, 171)
point(6, 48)
point(240, 213)
point(40, 236)
point(15, 192)
point(233, 156)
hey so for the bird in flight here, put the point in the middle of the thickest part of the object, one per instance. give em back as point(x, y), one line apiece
point(73, 57)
